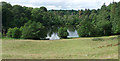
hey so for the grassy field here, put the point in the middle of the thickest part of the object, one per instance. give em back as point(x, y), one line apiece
point(76, 48)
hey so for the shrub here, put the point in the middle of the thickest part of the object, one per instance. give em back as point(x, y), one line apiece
point(9, 33)
point(33, 30)
point(0, 35)
point(14, 32)
point(62, 32)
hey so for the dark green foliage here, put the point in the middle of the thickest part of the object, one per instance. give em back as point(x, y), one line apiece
point(104, 27)
point(43, 9)
point(6, 15)
point(115, 18)
point(0, 35)
point(39, 16)
point(100, 22)
point(9, 33)
point(62, 32)
point(86, 28)
point(14, 32)
point(33, 30)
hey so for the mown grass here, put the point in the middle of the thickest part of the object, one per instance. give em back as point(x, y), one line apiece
point(76, 48)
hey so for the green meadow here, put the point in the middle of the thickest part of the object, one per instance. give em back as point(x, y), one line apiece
point(75, 48)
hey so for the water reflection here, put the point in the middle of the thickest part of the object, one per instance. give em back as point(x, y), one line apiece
point(53, 33)
point(54, 36)
point(72, 33)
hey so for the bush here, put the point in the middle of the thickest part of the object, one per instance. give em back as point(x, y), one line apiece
point(62, 32)
point(9, 33)
point(33, 30)
point(14, 32)
point(0, 35)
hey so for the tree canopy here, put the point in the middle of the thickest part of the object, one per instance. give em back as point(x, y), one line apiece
point(100, 22)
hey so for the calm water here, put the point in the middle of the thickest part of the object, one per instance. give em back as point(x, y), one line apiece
point(53, 33)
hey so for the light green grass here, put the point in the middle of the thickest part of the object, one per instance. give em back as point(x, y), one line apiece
point(77, 48)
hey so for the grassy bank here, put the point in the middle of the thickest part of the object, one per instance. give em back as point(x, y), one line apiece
point(76, 48)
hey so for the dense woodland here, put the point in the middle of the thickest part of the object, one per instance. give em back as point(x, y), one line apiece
point(30, 23)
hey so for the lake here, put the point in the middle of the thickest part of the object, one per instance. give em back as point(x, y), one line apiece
point(52, 33)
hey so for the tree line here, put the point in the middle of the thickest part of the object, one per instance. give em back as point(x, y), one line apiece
point(28, 22)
